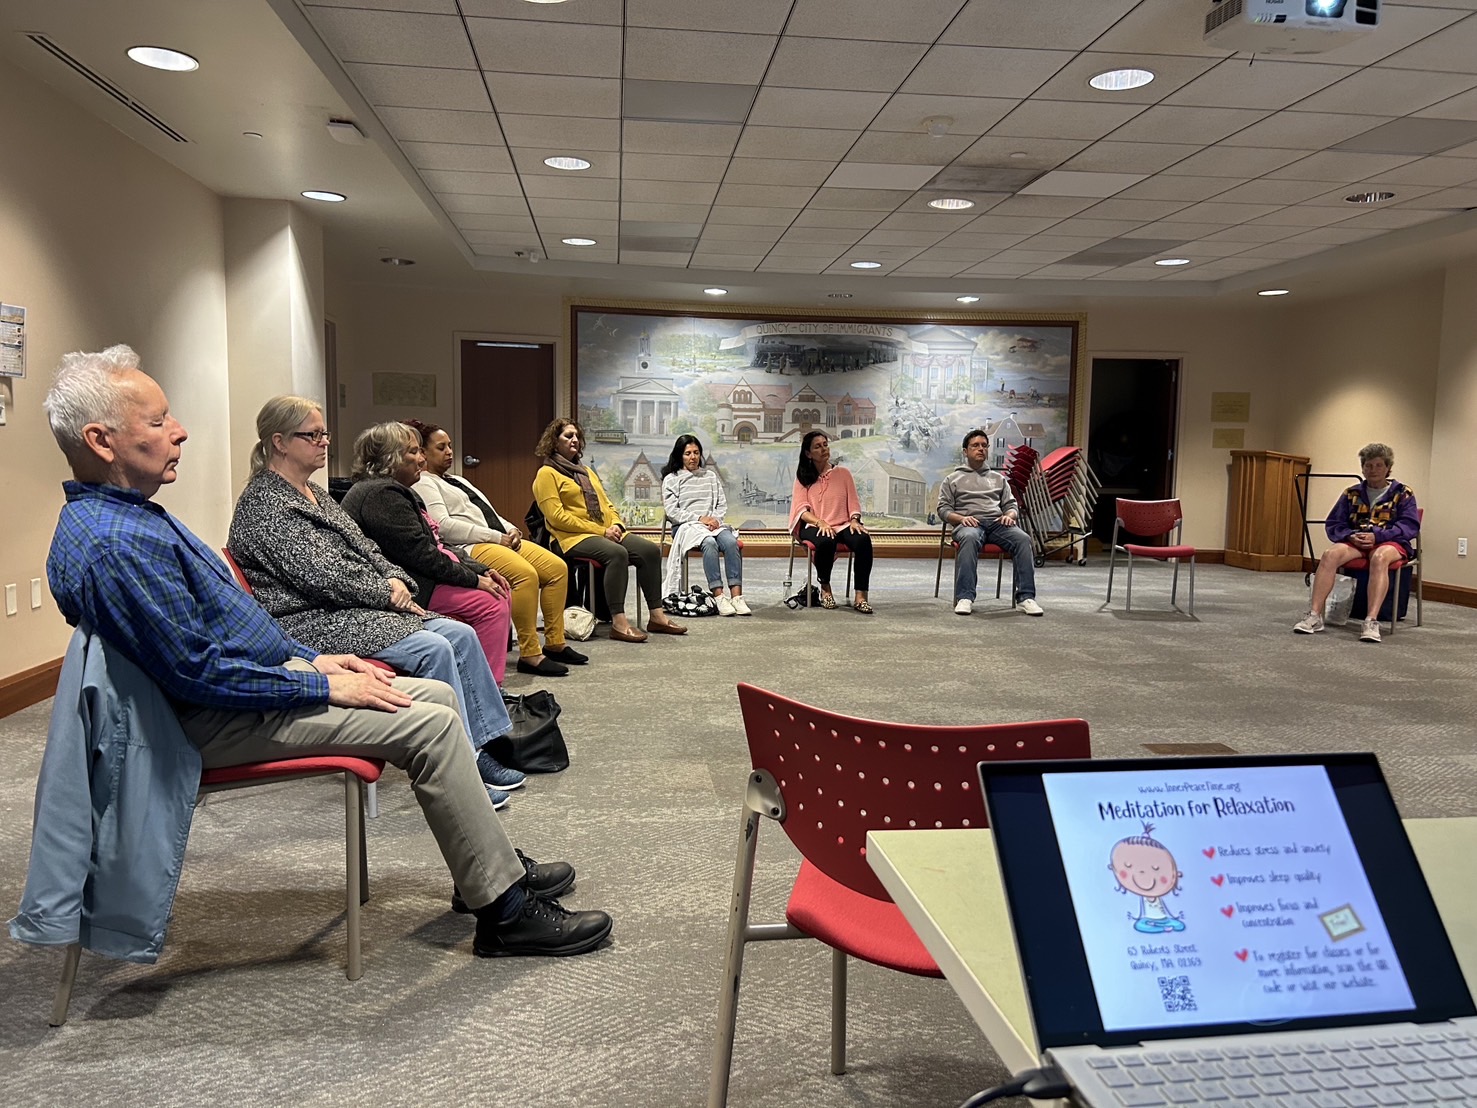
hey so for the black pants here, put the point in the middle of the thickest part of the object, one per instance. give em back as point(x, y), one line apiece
point(859, 544)
point(617, 558)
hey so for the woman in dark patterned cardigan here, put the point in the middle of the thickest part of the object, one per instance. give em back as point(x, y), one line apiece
point(329, 586)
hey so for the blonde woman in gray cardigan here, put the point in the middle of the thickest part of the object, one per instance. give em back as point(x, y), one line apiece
point(695, 502)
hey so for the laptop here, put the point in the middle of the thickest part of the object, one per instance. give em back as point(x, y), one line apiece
point(1229, 929)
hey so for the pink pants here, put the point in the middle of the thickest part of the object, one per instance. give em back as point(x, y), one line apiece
point(489, 616)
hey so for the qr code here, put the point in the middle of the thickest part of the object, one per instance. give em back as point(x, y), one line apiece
point(1176, 994)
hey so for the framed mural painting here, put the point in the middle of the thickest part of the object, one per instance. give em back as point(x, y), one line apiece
point(894, 397)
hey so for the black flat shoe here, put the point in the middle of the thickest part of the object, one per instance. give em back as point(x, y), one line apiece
point(568, 655)
point(546, 667)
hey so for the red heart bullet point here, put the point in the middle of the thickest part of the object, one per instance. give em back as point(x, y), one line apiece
point(1242, 954)
point(1219, 879)
point(1209, 852)
point(1228, 911)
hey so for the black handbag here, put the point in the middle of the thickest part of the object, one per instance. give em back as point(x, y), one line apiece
point(535, 744)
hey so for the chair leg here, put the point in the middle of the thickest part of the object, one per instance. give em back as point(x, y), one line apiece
point(1192, 584)
point(63, 999)
point(848, 573)
point(363, 847)
point(938, 577)
point(353, 855)
point(372, 800)
point(1112, 558)
point(1129, 606)
point(838, 1011)
point(1174, 584)
point(1000, 579)
point(733, 960)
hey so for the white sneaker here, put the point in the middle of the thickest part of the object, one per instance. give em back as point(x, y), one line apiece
point(1030, 607)
point(725, 606)
point(740, 608)
point(963, 607)
point(1371, 632)
point(1311, 624)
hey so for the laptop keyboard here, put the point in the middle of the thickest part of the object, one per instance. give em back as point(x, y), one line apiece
point(1424, 1066)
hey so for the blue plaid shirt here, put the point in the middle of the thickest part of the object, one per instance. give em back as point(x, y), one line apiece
point(126, 568)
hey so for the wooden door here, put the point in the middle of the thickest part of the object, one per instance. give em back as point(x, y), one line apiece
point(507, 401)
point(1132, 433)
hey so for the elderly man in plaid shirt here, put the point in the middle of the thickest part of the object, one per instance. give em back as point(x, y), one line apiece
point(244, 691)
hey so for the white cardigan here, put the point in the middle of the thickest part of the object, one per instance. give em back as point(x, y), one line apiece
point(451, 506)
point(686, 498)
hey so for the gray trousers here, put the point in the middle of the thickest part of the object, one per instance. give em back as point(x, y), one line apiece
point(426, 740)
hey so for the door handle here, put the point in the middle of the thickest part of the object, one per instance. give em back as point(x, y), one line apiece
point(471, 462)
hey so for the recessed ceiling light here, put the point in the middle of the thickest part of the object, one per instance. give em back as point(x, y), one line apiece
point(967, 299)
point(578, 242)
point(839, 295)
point(566, 163)
point(398, 261)
point(1121, 80)
point(1369, 197)
point(161, 57)
point(1173, 261)
point(251, 134)
point(716, 292)
point(1273, 292)
point(866, 265)
point(329, 197)
point(1019, 154)
point(951, 204)
point(544, 1)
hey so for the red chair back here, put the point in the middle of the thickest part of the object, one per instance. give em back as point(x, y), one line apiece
point(1148, 518)
point(841, 776)
point(240, 577)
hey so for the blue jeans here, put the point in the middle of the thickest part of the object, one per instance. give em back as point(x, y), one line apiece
point(726, 541)
point(1012, 540)
point(449, 651)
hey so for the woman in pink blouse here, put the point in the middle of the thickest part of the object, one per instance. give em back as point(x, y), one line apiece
point(825, 512)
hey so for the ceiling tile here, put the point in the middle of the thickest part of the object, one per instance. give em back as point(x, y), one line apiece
point(1107, 228)
point(801, 143)
point(1141, 210)
point(1436, 171)
point(880, 175)
point(1205, 248)
point(984, 71)
point(778, 218)
point(1165, 187)
point(752, 16)
point(774, 264)
point(835, 236)
point(504, 223)
point(1283, 250)
point(1041, 24)
point(545, 208)
point(1271, 191)
point(1184, 231)
point(530, 160)
point(1066, 119)
point(438, 7)
point(1393, 218)
point(704, 259)
point(1063, 183)
point(1328, 165)
point(1414, 135)
point(570, 187)
point(826, 252)
point(669, 192)
point(474, 184)
point(804, 107)
point(395, 38)
point(1215, 211)
point(958, 258)
point(972, 115)
point(1039, 257)
point(884, 200)
point(1304, 130)
point(741, 238)
point(586, 11)
point(504, 240)
point(1008, 224)
point(1335, 236)
point(776, 171)
point(654, 257)
point(765, 196)
point(1130, 157)
point(837, 218)
point(526, 46)
point(1337, 197)
point(439, 125)
point(898, 147)
point(664, 213)
point(1302, 215)
point(719, 57)
point(569, 133)
point(1159, 27)
point(921, 267)
point(1038, 153)
point(702, 139)
point(408, 86)
point(686, 101)
point(1461, 106)
point(455, 204)
point(942, 222)
point(981, 240)
point(541, 94)
point(556, 228)
point(880, 237)
point(1249, 233)
point(1390, 92)
point(672, 167)
point(1240, 82)
point(843, 64)
point(1452, 49)
point(915, 21)
point(1170, 73)
point(480, 159)
point(1449, 199)
point(1059, 206)
point(1200, 126)
point(1071, 243)
point(1242, 163)
point(997, 269)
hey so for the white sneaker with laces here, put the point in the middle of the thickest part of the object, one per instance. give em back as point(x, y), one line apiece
point(1310, 624)
point(1030, 607)
point(740, 608)
point(1371, 632)
point(725, 606)
point(963, 607)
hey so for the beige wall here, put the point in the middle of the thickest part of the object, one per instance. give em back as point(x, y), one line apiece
point(102, 243)
point(1451, 504)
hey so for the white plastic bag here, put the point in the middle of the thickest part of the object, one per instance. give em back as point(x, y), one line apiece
point(1340, 601)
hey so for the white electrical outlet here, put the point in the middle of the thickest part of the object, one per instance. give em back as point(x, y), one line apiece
point(35, 593)
point(1461, 548)
point(10, 600)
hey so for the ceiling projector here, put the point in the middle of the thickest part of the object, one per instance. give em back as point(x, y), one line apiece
point(1289, 26)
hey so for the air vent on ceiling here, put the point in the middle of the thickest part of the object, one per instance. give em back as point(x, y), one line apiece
point(107, 86)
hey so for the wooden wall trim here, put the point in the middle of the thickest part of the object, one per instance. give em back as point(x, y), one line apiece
point(1450, 594)
point(29, 686)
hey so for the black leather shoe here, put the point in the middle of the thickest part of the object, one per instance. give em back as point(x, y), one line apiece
point(546, 667)
point(548, 879)
point(568, 655)
point(545, 927)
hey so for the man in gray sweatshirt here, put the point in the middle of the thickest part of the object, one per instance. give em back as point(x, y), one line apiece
point(976, 501)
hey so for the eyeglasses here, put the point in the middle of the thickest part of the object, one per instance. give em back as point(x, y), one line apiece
point(317, 438)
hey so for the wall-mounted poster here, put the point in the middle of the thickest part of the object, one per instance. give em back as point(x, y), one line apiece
point(895, 398)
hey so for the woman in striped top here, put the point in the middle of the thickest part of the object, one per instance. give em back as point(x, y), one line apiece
point(694, 501)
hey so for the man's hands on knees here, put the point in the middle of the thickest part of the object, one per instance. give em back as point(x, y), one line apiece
point(355, 683)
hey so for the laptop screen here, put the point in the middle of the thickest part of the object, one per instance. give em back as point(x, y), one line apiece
point(1167, 898)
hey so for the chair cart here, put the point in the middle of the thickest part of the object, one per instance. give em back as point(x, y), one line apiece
point(1057, 495)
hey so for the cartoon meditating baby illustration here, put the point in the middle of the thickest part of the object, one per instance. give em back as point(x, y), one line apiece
point(1145, 867)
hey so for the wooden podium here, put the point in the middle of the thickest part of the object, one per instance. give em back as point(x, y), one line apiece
point(1265, 525)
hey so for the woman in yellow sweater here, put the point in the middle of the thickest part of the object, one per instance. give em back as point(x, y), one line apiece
point(582, 520)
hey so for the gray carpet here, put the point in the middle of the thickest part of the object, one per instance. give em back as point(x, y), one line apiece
point(249, 1004)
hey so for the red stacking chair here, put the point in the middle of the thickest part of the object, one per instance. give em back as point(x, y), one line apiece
point(987, 550)
point(828, 779)
point(1150, 519)
point(669, 532)
point(809, 548)
point(1359, 565)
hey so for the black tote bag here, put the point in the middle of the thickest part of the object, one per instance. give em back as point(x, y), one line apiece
point(535, 744)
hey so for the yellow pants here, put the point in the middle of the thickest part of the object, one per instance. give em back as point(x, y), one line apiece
point(539, 579)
